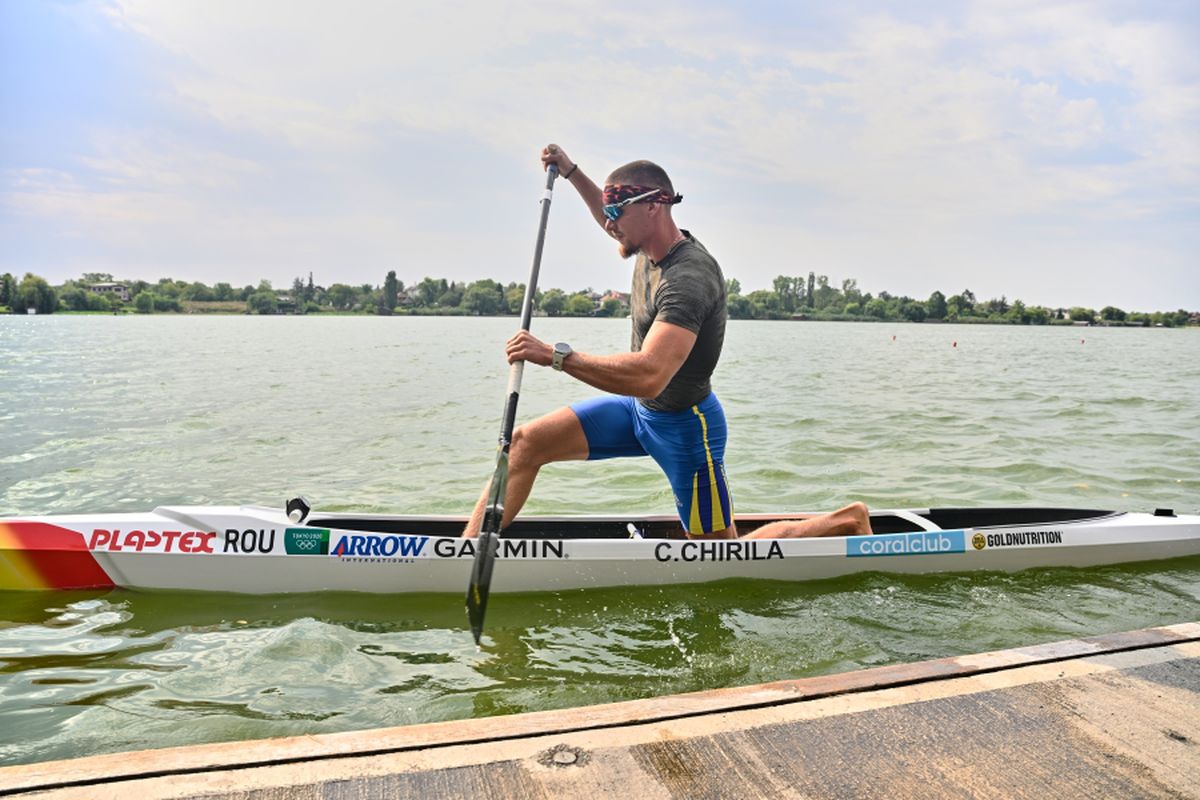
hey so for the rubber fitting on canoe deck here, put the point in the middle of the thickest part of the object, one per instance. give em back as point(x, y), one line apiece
point(298, 509)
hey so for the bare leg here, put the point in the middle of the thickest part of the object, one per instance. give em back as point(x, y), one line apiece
point(558, 436)
point(852, 520)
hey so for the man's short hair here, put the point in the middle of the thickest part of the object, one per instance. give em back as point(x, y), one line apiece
point(642, 173)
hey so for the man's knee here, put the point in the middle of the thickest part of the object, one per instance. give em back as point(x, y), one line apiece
point(857, 510)
point(523, 451)
point(856, 517)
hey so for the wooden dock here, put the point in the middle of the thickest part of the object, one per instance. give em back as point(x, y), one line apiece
point(1106, 716)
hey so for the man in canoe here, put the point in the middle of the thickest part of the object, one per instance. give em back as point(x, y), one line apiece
point(660, 400)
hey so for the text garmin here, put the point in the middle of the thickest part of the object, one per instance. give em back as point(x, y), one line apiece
point(507, 548)
point(718, 551)
point(154, 541)
point(906, 544)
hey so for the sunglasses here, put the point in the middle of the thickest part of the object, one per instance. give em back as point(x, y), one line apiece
point(613, 211)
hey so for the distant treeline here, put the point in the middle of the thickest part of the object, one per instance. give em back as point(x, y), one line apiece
point(811, 297)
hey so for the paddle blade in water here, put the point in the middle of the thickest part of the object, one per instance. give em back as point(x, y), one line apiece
point(486, 546)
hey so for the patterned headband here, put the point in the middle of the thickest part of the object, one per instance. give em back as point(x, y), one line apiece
point(616, 192)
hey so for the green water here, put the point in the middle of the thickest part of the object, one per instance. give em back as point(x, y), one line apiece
point(121, 414)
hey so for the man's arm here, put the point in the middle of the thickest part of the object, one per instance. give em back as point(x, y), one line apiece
point(592, 195)
point(645, 373)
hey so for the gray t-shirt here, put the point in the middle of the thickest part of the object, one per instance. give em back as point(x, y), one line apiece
point(686, 289)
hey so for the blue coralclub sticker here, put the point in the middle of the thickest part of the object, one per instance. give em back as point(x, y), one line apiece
point(931, 543)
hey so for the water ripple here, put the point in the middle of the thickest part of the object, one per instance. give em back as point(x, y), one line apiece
point(227, 410)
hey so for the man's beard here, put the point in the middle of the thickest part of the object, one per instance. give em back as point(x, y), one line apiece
point(626, 250)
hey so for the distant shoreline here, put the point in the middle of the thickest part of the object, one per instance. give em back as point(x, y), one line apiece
point(1057, 323)
point(794, 298)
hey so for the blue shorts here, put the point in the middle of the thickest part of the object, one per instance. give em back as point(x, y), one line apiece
point(689, 445)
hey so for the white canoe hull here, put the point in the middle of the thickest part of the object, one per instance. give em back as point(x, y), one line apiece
point(260, 551)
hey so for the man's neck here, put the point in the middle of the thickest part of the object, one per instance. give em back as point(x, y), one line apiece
point(657, 250)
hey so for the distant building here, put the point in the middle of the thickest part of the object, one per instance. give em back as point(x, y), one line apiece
point(119, 290)
point(620, 297)
point(285, 303)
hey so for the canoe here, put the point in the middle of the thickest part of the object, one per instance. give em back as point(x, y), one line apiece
point(257, 550)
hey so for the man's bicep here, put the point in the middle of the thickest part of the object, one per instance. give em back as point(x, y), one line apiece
point(668, 344)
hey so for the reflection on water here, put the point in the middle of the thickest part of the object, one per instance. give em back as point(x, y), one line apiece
point(362, 414)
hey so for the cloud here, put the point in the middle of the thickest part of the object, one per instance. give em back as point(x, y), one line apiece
point(375, 127)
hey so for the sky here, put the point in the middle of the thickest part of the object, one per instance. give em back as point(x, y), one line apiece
point(1044, 151)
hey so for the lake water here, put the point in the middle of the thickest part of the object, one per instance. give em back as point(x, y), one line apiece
point(401, 415)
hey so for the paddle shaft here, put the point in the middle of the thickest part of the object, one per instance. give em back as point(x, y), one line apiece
point(489, 532)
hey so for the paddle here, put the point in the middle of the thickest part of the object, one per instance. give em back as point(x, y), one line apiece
point(488, 542)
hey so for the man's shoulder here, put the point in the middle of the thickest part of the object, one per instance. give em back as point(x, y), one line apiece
point(693, 255)
point(693, 263)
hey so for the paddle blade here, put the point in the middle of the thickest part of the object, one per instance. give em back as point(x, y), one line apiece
point(481, 582)
point(486, 546)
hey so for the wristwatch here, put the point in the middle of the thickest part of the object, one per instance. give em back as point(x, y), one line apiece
point(561, 351)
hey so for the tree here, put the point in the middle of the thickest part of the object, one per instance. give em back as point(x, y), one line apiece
point(732, 286)
point(73, 297)
point(935, 306)
point(789, 291)
point(97, 277)
point(824, 295)
point(263, 303)
point(33, 292)
point(812, 284)
point(144, 302)
point(514, 296)
point(342, 296)
point(850, 292)
point(610, 308)
point(764, 304)
point(996, 308)
point(452, 297)
point(391, 291)
point(8, 289)
point(554, 302)
point(739, 307)
point(1112, 314)
point(200, 292)
point(169, 287)
point(877, 308)
point(912, 310)
point(1017, 313)
point(481, 298)
point(580, 305)
point(428, 290)
point(1080, 314)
